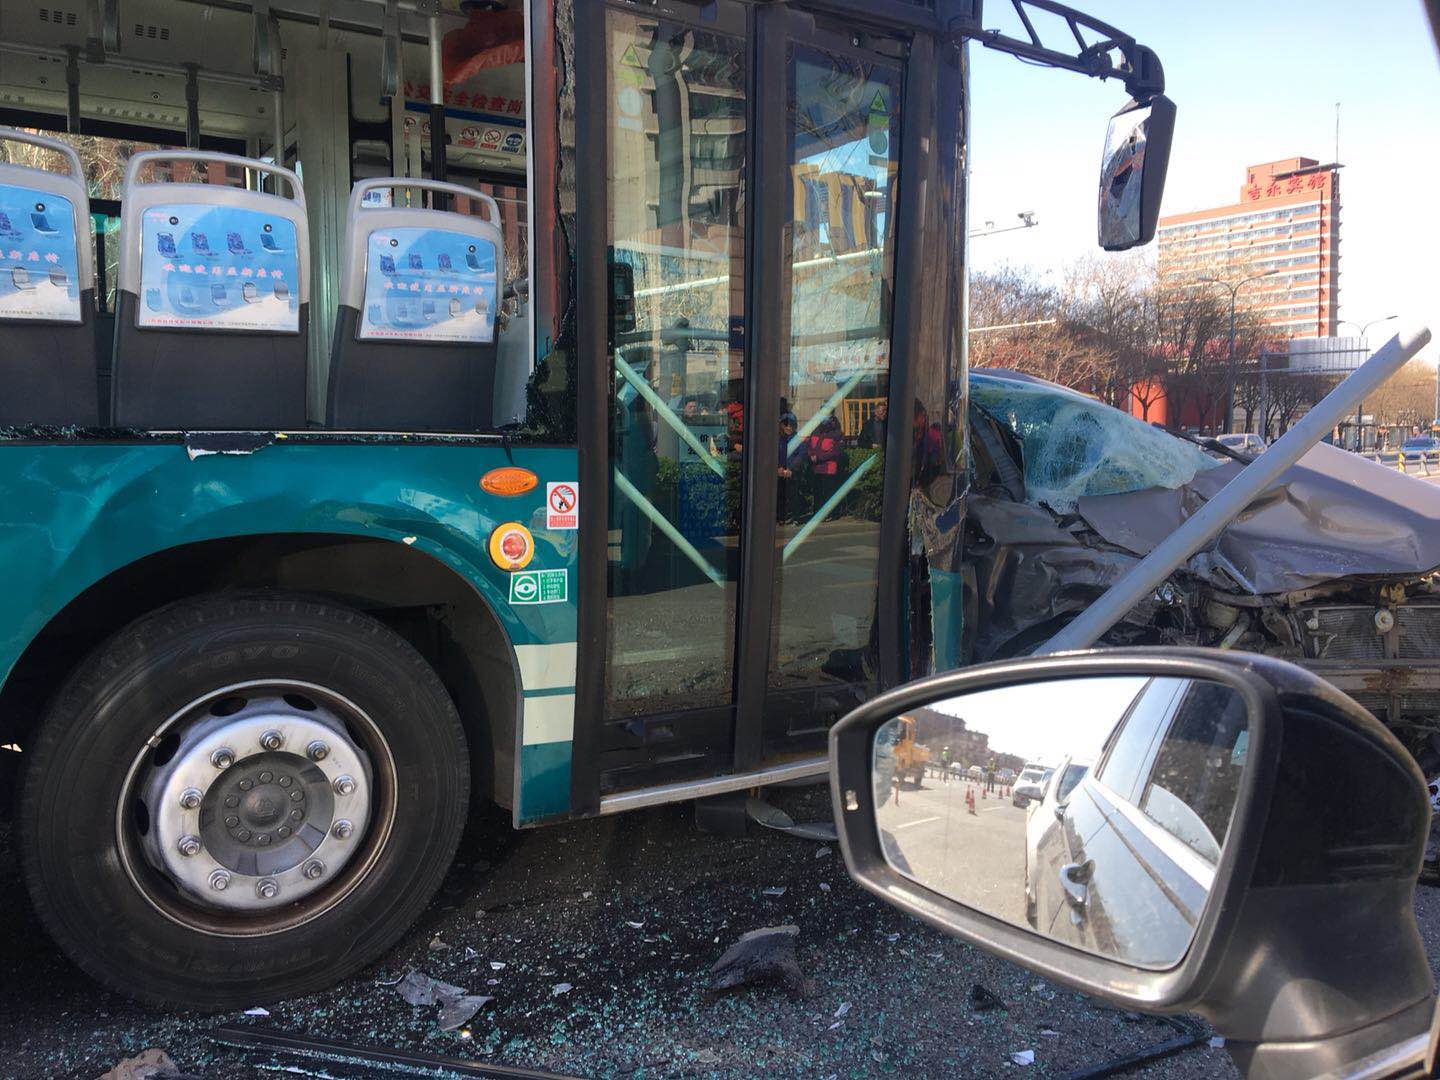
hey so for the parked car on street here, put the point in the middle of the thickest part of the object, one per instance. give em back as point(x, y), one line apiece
point(1030, 786)
point(1416, 448)
point(1246, 442)
point(1063, 781)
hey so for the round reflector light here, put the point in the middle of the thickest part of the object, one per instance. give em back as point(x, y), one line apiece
point(512, 546)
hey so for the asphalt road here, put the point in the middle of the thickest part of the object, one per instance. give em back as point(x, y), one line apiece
point(631, 912)
point(976, 857)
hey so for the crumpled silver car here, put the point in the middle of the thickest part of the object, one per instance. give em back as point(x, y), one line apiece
point(1334, 567)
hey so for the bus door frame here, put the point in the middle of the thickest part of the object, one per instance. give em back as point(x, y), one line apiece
point(768, 217)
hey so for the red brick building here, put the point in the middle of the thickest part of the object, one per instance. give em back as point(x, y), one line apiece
point(1287, 221)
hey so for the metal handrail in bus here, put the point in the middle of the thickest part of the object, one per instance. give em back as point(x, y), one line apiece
point(77, 171)
point(444, 187)
point(656, 402)
point(661, 522)
point(828, 507)
point(140, 160)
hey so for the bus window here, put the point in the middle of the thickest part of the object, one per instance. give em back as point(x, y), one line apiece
point(677, 130)
point(843, 141)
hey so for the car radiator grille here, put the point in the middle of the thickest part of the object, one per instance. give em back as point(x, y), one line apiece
point(1348, 633)
point(1345, 633)
point(1419, 631)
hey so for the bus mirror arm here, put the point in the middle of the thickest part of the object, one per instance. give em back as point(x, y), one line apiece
point(1137, 65)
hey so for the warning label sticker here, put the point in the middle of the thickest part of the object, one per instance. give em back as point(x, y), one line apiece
point(562, 506)
point(539, 587)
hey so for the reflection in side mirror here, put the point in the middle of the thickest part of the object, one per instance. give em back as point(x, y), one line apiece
point(1132, 173)
point(1115, 853)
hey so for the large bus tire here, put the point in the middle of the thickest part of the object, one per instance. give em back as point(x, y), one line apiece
point(241, 798)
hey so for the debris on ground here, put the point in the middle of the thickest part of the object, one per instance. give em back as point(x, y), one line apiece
point(436, 945)
point(1023, 1057)
point(560, 988)
point(457, 1004)
point(707, 1057)
point(761, 956)
point(982, 999)
point(257, 1011)
point(457, 1011)
point(842, 1010)
point(774, 890)
point(151, 1064)
point(417, 988)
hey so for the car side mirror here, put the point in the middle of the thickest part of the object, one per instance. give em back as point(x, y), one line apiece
point(1231, 835)
point(1132, 172)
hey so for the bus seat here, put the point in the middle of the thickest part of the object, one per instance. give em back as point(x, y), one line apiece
point(48, 370)
point(414, 346)
point(212, 304)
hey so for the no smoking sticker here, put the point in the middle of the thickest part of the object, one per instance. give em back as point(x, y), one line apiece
point(562, 506)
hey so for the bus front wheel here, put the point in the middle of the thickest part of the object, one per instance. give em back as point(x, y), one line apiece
point(242, 798)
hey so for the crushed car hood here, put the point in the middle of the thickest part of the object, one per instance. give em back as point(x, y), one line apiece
point(1331, 515)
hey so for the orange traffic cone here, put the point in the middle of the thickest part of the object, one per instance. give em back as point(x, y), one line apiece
point(970, 800)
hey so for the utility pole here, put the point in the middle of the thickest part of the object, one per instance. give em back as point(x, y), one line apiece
point(1234, 290)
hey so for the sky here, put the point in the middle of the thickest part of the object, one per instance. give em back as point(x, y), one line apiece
point(1047, 721)
point(1252, 82)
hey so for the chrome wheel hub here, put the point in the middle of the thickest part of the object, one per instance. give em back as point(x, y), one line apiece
point(263, 800)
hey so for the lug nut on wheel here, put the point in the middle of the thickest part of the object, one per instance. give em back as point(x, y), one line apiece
point(220, 880)
point(344, 785)
point(317, 751)
point(314, 868)
point(223, 758)
point(272, 740)
point(342, 830)
point(190, 798)
point(189, 845)
point(267, 889)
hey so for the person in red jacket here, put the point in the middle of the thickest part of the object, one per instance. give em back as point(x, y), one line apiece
point(825, 453)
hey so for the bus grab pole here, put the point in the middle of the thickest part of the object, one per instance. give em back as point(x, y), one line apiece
point(1207, 522)
point(437, 113)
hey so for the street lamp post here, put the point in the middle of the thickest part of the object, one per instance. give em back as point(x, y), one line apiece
point(1027, 221)
point(1365, 347)
point(1234, 290)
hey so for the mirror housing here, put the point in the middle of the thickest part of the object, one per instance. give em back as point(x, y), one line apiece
point(1132, 172)
point(1306, 956)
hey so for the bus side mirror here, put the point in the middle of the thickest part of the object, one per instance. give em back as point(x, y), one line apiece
point(1132, 172)
point(1189, 853)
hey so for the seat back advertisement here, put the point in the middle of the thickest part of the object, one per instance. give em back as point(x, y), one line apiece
point(39, 260)
point(207, 267)
point(429, 285)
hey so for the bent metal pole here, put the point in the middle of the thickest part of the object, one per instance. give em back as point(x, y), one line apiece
point(1249, 483)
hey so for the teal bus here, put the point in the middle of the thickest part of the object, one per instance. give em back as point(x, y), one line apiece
point(414, 406)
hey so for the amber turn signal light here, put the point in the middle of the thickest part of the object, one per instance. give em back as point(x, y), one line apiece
point(509, 480)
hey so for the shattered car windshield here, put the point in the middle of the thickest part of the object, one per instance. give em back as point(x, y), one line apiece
point(1076, 446)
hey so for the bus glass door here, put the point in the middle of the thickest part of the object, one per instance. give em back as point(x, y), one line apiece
point(842, 112)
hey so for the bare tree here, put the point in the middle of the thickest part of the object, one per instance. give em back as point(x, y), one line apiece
point(1290, 396)
point(1406, 399)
